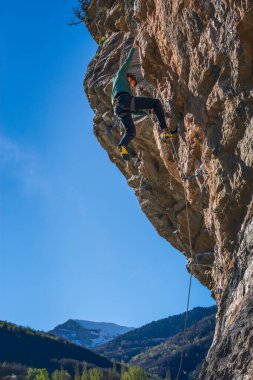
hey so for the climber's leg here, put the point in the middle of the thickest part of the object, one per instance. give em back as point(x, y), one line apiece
point(129, 134)
point(141, 103)
point(122, 106)
point(124, 152)
point(130, 130)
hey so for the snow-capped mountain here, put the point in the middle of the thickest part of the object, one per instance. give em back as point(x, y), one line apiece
point(89, 334)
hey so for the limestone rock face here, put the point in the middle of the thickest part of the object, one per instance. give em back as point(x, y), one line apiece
point(197, 57)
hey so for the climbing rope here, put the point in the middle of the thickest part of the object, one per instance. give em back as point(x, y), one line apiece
point(186, 203)
point(191, 252)
point(185, 327)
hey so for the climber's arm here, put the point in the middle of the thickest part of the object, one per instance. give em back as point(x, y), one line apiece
point(126, 65)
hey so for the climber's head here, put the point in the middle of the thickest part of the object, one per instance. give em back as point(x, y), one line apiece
point(132, 80)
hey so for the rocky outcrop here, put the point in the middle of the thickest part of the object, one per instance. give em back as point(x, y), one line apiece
point(197, 57)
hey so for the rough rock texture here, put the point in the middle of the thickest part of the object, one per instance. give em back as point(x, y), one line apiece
point(197, 57)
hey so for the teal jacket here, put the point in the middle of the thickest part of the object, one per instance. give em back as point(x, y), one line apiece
point(120, 83)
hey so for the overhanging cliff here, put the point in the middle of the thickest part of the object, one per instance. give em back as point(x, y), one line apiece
point(197, 57)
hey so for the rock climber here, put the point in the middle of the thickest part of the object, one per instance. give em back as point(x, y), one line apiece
point(125, 104)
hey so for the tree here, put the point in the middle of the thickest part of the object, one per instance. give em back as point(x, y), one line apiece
point(55, 375)
point(95, 374)
point(134, 373)
point(60, 375)
point(125, 376)
point(85, 375)
point(112, 373)
point(81, 13)
point(168, 376)
point(37, 374)
point(77, 373)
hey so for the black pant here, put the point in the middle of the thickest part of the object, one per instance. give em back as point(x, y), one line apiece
point(127, 104)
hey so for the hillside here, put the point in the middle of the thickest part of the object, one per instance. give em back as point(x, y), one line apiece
point(40, 350)
point(88, 334)
point(139, 340)
point(159, 359)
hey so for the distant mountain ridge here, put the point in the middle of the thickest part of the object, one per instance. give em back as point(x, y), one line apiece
point(41, 350)
point(156, 347)
point(87, 333)
point(137, 341)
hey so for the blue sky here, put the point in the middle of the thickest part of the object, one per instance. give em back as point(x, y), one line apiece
point(65, 252)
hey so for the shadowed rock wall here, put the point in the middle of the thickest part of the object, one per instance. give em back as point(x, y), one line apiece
point(197, 57)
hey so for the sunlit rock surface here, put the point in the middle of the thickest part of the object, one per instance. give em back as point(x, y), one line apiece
point(197, 57)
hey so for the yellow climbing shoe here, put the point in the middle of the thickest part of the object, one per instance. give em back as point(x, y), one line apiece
point(166, 134)
point(124, 152)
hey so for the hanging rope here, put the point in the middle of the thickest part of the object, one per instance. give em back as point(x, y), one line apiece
point(191, 252)
point(186, 203)
point(185, 327)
